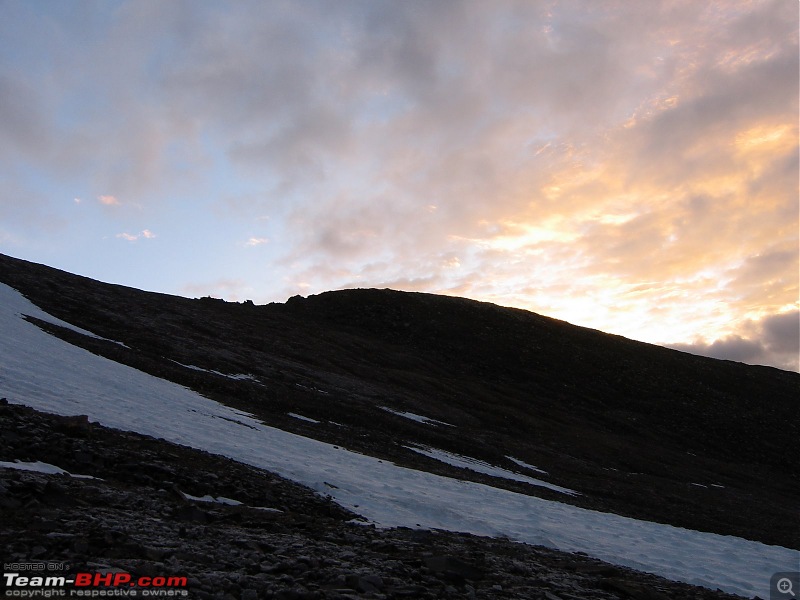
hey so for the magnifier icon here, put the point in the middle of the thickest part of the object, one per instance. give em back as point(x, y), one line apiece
point(784, 586)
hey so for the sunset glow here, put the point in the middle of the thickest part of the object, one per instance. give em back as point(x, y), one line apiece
point(630, 167)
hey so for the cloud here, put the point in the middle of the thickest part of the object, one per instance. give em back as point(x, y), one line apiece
point(781, 333)
point(108, 201)
point(735, 348)
point(626, 166)
point(775, 341)
point(144, 234)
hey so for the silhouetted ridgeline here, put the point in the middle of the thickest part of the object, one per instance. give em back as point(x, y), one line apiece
point(629, 425)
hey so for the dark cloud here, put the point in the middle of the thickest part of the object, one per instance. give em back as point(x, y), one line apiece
point(775, 341)
point(736, 348)
point(782, 333)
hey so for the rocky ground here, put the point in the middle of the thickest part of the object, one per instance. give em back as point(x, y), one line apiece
point(140, 514)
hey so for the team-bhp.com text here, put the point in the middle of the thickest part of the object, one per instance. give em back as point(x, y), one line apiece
point(93, 585)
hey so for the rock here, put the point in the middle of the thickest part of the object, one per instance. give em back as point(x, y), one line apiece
point(192, 514)
point(604, 570)
point(408, 591)
point(8, 502)
point(369, 583)
point(453, 568)
point(193, 557)
point(75, 425)
point(634, 590)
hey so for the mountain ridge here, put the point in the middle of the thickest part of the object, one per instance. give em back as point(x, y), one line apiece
point(630, 426)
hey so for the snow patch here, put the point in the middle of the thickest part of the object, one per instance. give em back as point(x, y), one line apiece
point(302, 418)
point(209, 498)
point(417, 418)
point(311, 388)
point(479, 466)
point(526, 465)
point(235, 376)
point(226, 501)
point(40, 467)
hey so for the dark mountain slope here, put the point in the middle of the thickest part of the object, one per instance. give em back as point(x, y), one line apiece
point(547, 365)
point(633, 427)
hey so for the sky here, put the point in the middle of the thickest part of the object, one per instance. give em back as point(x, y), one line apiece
point(626, 166)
